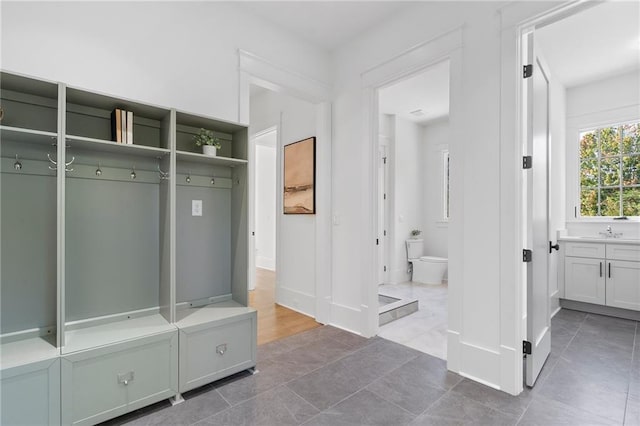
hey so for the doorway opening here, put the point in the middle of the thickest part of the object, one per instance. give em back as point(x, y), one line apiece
point(580, 116)
point(413, 209)
point(275, 277)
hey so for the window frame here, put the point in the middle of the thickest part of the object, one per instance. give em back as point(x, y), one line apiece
point(618, 124)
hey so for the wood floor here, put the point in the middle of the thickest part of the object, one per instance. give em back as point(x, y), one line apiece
point(275, 321)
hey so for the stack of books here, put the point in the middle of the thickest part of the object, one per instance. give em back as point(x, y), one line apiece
point(122, 126)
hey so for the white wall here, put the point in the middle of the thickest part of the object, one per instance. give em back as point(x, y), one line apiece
point(266, 199)
point(408, 196)
point(296, 257)
point(435, 230)
point(484, 337)
point(603, 102)
point(178, 54)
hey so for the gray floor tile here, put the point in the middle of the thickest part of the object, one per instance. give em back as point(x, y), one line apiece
point(560, 338)
point(545, 412)
point(314, 355)
point(571, 320)
point(632, 413)
point(276, 407)
point(192, 410)
point(407, 387)
point(332, 383)
point(613, 331)
point(434, 371)
point(511, 405)
point(272, 349)
point(572, 387)
point(457, 407)
point(363, 408)
point(270, 375)
point(427, 420)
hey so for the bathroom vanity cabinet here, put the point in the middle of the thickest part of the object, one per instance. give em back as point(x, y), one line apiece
point(602, 272)
point(124, 266)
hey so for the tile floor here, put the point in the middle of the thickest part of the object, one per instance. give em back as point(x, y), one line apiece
point(425, 330)
point(330, 377)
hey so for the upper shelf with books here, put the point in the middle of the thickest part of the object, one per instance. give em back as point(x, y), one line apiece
point(99, 145)
point(94, 116)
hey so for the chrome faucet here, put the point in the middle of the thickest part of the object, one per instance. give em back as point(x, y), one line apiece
point(610, 234)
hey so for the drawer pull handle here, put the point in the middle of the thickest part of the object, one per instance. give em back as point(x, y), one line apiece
point(221, 349)
point(600, 269)
point(125, 378)
point(609, 269)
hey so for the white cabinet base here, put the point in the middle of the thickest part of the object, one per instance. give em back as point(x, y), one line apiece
point(30, 394)
point(107, 382)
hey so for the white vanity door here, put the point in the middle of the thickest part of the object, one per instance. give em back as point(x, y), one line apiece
point(623, 284)
point(585, 279)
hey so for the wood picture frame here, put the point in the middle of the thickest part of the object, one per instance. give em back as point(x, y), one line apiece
point(299, 191)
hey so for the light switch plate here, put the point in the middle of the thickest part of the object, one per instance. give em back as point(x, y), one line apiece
point(196, 207)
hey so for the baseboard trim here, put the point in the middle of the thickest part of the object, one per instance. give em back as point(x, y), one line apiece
point(296, 301)
point(346, 318)
point(600, 309)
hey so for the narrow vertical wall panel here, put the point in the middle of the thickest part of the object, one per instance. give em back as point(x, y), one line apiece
point(239, 221)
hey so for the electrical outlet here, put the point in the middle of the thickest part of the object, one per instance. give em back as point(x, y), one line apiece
point(196, 207)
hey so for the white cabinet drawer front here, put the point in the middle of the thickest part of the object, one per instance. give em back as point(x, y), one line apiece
point(593, 250)
point(585, 279)
point(212, 353)
point(623, 284)
point(101, 384)
point(30, 394)
point(623, 252)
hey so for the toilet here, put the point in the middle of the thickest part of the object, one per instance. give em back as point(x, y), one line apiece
point(426, 269)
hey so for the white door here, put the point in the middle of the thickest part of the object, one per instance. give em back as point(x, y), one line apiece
point(538, 320)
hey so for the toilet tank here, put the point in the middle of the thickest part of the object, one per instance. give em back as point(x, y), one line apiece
point(414, 248)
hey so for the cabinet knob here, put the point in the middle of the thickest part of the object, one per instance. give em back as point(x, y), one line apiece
point(221, 349)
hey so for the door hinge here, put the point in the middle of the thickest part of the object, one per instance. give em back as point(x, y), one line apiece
point(384, 160)
point(527, 162)
point(527, 255)
point(385, 268)
point(527, 71)
point(384, 196)
point(377, 242)
point(385, 232)
point(526, 347)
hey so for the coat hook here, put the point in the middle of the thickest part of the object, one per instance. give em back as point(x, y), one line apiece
point(213, 181)
point(17, 165)
point(98, 170)
point(52, 161)
point(66, 165)
point(188, 179)
point(163, 175)
point(133, 172)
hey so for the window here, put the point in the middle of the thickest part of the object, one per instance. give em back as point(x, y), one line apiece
point(445, 185)
point(610, 171)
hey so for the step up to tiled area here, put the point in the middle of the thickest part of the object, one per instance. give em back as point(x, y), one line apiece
point(392, 308)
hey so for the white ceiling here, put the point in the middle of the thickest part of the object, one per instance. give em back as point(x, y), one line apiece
point(427, 91)
point(601, 41)
point(327, 24)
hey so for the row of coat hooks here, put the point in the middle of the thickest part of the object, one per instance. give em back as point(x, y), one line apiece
point(17, 165)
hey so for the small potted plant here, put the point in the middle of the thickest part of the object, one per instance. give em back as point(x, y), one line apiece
point(415, 233)
point(209, 143)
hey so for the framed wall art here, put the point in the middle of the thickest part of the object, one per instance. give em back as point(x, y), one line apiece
point(299, 177)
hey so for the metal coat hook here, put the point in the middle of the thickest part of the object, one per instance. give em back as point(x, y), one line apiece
point(213, 181)
point(98, 170)
point(55, 163)
point(66, 165)
point(133, 172)
point(188, 179)
point(163, 175)
point(17, 165)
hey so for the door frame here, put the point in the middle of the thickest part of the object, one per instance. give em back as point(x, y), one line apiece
point(446, 46)
point(252, 217)
point(517, 19)
point(254, 69)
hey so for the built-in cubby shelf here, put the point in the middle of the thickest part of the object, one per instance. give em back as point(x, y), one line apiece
point(26, 351)
point(100, 335)
point(107, 271)
point(28, 136)
point(107, 146)
point(208, 159)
